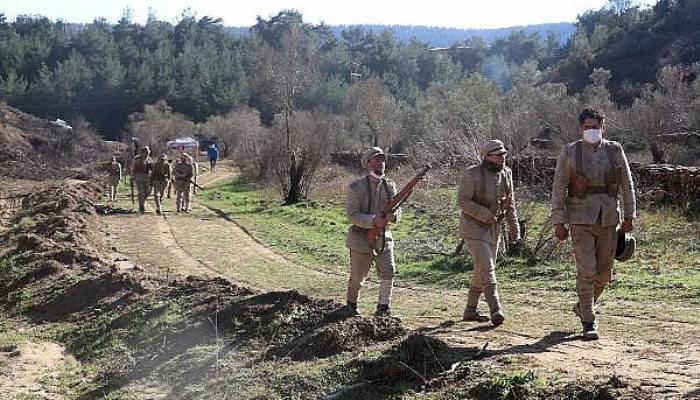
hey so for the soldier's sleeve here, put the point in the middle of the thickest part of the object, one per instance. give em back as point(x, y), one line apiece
point(470, 208)
point(396, 215)
point(560, 187)
point(511, 213)
point(629, 201)
point(353, 208)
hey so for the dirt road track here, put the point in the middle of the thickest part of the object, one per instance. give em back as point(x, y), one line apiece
point(541, 333)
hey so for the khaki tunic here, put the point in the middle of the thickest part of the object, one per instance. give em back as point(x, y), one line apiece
point(485, 197)
point(361, 205)
point(568, 209)
point(594, 218)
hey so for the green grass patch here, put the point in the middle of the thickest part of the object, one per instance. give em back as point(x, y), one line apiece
point(666, 265)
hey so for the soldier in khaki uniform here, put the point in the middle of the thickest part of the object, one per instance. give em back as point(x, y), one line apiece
point(591, 174)
point(365, 199)
point(115, 176)
point(141, 172)
point(183, 173)
point(486, 199)
point(160, 178)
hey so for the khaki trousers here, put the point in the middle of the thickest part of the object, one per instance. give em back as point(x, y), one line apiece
point(159, 188)
point(594, 251)
point(143, 187)
point(484, 277)
point(182, 195)
point(360, 264)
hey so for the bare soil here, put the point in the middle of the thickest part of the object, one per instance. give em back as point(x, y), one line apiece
point(659, 354)
point(215, 268)
point(27, 368)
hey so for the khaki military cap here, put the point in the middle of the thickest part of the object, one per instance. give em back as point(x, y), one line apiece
point(493, 146)
point(371, 153)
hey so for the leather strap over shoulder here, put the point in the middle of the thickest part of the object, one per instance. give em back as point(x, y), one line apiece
point(578, 147)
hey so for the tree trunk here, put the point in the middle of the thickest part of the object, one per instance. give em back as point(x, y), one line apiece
point(296, 171)
point(656, 153)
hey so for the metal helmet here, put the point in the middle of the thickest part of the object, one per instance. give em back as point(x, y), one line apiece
point(625, 246)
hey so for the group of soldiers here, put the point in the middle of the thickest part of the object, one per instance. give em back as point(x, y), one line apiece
point(591, 177)
point(157, 178)
point(592, 174)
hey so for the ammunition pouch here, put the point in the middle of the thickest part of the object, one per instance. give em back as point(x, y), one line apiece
point(578, 186)
point(359, 230)
point(581, 189)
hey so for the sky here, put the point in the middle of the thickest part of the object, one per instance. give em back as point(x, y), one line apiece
point(442, 13)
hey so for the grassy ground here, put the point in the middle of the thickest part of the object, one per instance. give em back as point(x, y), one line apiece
point(166, 345)
point(666, 267)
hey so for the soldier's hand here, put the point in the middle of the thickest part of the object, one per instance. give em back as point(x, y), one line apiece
point(627, 226)
point(492, 220)
point(379, 221)
point(561, 232)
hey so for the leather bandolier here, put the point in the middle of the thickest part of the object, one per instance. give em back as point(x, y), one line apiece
point(579, 184)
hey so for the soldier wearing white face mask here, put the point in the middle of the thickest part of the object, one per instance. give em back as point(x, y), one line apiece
point(590, 176)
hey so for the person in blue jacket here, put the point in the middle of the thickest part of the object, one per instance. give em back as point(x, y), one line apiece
point(213, 154)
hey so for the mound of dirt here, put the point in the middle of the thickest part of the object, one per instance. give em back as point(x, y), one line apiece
point(341, 336)
point(419, 357)
point(58, 253)
point(36, 149)
point(279, 317)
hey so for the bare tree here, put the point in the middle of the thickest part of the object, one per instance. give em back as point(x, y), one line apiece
point(230, 129)
point(294, 172)
point(157, 124)
point(371, 106)
point(666, 110)
point(285, 73)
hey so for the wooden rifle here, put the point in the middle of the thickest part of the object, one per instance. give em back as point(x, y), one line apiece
point(392, 205)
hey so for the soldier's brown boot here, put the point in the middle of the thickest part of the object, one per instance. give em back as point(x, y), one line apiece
point(472, 314)
point(351, 309)
point(497, 318)
point(383, 310)
point(590, 330)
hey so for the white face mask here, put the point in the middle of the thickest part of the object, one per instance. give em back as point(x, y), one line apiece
point(593, 136)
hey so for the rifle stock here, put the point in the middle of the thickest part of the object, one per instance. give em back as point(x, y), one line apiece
point(396, 201)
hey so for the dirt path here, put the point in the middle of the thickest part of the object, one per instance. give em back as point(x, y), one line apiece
point(541, 332)
point(26, 370)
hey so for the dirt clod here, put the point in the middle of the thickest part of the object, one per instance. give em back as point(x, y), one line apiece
point(338, 337)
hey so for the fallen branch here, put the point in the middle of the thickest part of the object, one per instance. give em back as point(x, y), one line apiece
point(416, 373)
